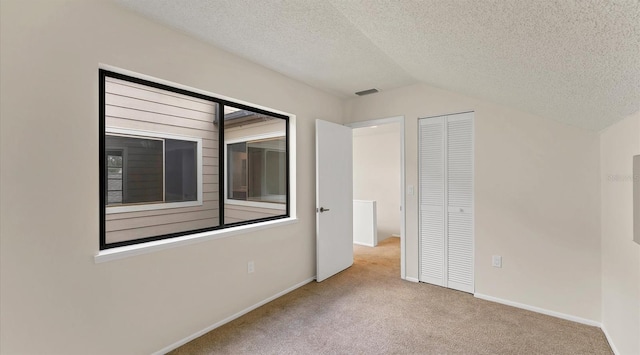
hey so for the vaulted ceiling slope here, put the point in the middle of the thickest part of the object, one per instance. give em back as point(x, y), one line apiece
point(575, 61)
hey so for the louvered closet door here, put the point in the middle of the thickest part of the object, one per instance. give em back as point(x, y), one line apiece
point(459, 244)
point(432, 184)
point(446, 201)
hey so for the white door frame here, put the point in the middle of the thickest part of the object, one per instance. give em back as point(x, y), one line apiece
point(403, 221)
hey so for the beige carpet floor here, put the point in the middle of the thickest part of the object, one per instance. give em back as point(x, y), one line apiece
point(368, 309)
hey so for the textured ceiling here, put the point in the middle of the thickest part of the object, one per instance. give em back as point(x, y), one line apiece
point(575, 61)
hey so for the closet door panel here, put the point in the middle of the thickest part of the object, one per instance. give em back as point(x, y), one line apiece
point(459, 238)
point(460, 160)
point(460, 251)
point(432, 240)
point(432, 162)
point(432, 201)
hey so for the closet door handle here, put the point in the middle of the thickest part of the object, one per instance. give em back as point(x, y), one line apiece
point(322, 209)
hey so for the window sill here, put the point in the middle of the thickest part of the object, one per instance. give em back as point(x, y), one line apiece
point(150, 247)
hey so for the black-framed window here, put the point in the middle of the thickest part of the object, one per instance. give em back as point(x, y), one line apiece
point(175, 162)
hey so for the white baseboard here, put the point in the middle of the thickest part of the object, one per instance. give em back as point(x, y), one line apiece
point(611, 344)
point(412, 279)
point(230, 318)
point(539, 310)
point(365, 244)
point(395, 235)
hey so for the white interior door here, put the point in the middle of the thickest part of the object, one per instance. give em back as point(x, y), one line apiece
point(334, 199)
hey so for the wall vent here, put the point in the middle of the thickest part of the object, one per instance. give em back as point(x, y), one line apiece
point(366, 92)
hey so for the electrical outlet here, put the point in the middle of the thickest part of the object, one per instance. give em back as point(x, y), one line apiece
point(496, 261)
point(251, 267)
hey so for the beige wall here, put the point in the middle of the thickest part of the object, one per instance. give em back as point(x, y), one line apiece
point(620, 255)
point(54, 298)
point(536, 198)
point(376, 173)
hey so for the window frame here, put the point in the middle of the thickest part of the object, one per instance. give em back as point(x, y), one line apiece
point(221, 101)
point(258, 204)
point(151, 206)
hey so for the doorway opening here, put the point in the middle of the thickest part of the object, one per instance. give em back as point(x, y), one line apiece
point(378, 183)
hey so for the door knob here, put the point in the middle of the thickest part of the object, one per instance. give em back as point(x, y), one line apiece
point(322, 209)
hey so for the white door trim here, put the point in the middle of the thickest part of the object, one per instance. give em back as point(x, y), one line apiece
point(403, 221)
